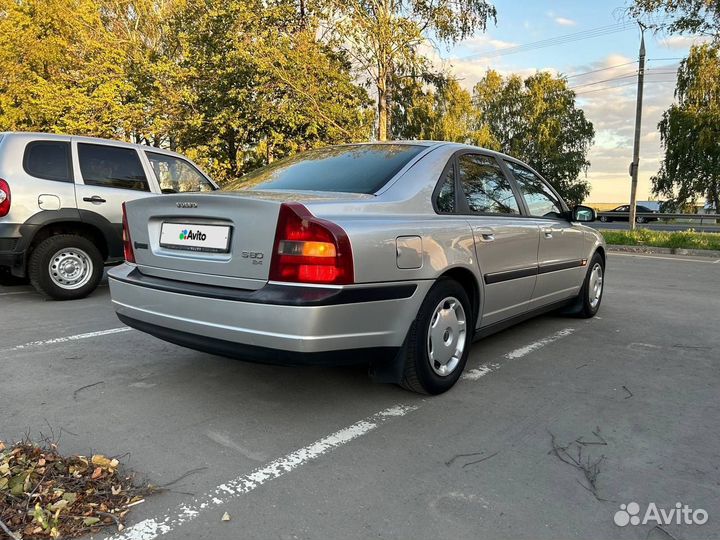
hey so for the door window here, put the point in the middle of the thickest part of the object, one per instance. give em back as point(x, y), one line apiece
point(445, 202)
point(541, 202)
point(486, 189)
point(176, 175)
point(49, 160)
point(111, 166)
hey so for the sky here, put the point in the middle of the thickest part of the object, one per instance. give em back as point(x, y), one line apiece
point(611, 45)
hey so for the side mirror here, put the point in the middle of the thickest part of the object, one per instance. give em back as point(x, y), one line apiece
point(583, 213)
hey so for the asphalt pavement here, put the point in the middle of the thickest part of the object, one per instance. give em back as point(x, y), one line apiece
point(315, 453)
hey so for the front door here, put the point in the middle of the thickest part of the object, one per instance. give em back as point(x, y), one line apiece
point(561, 267)
point(506, 244)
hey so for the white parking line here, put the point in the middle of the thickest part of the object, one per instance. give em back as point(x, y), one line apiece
point(65, 339)
point(152, 528)
point(527, 349)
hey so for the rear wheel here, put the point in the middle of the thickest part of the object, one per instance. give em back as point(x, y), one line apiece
point(640, 219)
point(439, 340)
point(65, 267)
point(604, 219)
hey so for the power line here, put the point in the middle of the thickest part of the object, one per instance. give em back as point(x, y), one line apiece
point(557, 40)
point(631, 83)
point(599, 70)
point(656, 71)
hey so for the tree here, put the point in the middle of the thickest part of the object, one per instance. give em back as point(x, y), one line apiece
point(536, 120)
point(690, 132)
point(383, 37)
point(260, 86)
point(681, 16)
point(60, 73)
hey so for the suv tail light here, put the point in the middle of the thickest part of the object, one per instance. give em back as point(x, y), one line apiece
point(127, 241)
point(4, 198)
point(308, 249)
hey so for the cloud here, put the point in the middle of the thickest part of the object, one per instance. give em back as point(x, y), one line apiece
point(682, 42)
point(562, 21)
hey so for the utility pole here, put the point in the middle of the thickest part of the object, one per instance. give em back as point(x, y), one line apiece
point(638, 122)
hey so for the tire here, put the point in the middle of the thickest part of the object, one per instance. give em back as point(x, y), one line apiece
point(76, 256)
point(604, 219)
point(586, 307)
point(640, 220)
point(445, 304)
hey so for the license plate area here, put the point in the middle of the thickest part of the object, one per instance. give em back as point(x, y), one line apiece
point(195, 237)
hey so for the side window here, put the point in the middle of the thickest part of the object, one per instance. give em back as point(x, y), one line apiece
point(49, 160)
point(486, 188)
point(111, 166)
point(445, 202)
point(540, 200)
point(177, 175)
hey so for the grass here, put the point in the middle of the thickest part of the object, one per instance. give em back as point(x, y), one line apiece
point(678, 240)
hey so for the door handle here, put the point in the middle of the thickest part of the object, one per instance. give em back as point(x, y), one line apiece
point(486, 234)
point(548, 233)
point(95, 199)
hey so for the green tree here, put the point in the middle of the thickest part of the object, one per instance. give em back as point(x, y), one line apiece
point(536, 120)
point(383, 37)
point(690, 132)
point(680, 16)
point(60, 73)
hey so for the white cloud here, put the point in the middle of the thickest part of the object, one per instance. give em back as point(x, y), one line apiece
point(682, 42)
point(562, 21)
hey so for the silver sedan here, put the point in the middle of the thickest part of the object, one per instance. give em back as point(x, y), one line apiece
point(397, 255)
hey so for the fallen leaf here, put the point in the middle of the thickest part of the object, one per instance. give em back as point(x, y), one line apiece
point(115, 490)
point(97, 473)
point(226, 517)
point(69, 496)
point(101, 461)
point(41, 462)
point(2, 446)
point(90, 521)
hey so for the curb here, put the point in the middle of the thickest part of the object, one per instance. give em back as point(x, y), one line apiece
point(664, 251)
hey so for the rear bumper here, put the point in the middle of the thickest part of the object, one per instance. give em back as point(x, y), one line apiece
point(277, 323)
point(12, 254)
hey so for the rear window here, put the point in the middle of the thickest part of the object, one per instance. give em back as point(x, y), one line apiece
point(350, 169)
point(111, 166)
point(49, 160)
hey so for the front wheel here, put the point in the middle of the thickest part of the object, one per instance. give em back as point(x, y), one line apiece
point(438, 343)
point(640, 220)
point(65, 267)
point(604, 219)
point(588, 301)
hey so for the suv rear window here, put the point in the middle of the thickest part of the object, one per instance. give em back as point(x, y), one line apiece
point(359, 168)
point(111, 166)
point(49, 160)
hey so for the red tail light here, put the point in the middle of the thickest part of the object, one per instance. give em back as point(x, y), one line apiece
point(127, 241)
point(4, 198)
point(308, 249)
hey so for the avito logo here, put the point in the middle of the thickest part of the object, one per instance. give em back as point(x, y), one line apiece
point(190, 235)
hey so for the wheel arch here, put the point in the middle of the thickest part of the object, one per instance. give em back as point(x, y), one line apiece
point(466, 278)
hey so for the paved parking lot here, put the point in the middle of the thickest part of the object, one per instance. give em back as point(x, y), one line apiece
point(325, 453)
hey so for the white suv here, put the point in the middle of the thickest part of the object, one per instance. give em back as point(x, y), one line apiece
point(61, 204)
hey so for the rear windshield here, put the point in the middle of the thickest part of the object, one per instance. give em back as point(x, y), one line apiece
point(350, 169)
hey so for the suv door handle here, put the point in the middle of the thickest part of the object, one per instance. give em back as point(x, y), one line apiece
point(95, 199)
point(548, 233)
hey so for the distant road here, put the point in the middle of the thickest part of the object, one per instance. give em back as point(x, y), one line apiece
point(658, 226)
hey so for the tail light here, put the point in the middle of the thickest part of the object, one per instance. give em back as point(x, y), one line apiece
point(308, 249)
point(4, 198)
point(127, 241)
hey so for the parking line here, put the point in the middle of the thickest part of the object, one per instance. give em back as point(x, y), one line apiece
point(151, 528)
point(65, 339)
point(527, 349)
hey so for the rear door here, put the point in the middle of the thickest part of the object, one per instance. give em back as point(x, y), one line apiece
point(105, 177)
point(506, 244)
point(561, 267)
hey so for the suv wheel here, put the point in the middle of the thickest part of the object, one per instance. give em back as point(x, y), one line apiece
point(65, 267)
point(439, 340)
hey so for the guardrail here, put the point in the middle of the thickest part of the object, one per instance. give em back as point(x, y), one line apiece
point(660, 215)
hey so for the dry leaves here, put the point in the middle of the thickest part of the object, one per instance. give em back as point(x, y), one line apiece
point(46, 495)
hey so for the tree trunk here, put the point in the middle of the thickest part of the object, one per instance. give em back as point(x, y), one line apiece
point(382, 108)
